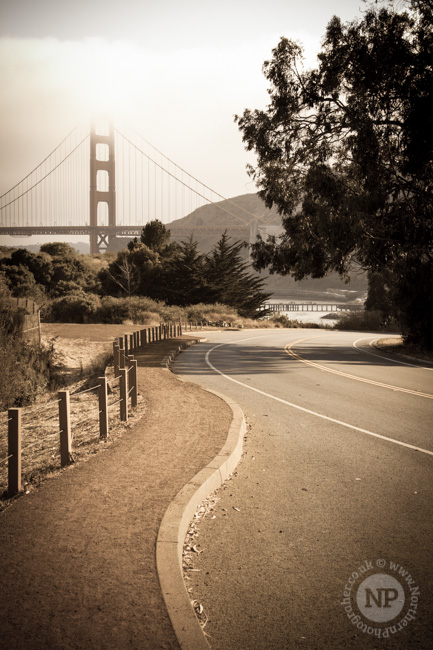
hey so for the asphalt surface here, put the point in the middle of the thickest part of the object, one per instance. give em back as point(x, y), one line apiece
point(334, 489)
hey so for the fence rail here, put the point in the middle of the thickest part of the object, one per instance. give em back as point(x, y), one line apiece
point(123, 391)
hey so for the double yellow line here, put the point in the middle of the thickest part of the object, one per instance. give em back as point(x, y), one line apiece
point(294, 355)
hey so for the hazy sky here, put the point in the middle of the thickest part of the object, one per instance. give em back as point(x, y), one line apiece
point(175, 70)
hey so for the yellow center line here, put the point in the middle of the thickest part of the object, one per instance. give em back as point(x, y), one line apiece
point(294, 355)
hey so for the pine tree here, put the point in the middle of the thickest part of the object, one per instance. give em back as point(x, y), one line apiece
point(185, 282)
point(229, 280)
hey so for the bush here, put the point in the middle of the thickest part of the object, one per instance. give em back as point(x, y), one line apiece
point(77, 307)
point(283, 321)
point(113, 310)
point(172, 313)
point(137, 310)
point(365, 321)
point(211, 313)
point(26, 369)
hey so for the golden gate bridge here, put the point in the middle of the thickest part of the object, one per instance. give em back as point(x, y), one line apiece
point(105, 184)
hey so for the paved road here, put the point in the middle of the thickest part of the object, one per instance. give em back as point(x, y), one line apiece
point(324, 537)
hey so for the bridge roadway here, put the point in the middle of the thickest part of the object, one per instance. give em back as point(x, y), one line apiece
point(336, 476)
point(28, 231)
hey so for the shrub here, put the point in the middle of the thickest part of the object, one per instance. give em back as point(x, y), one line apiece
point(137, 310)
point(113, 310)
point(26, 369)
point(172, 313)
point(211, 313)
point(77, 307)
point(364, 321)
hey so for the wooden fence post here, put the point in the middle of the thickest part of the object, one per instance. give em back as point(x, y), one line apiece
point(103, 410)
point(143, 338)
point(14, 450)
point(124, 395)
point(116, 354)
point(126, 344)
point(133, 379)
point(121, 355)
point(65, 428)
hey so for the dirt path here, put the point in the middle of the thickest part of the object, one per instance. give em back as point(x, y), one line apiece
point(78, 554)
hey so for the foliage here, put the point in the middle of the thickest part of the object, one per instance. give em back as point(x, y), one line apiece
point(20, 280)
point(56, 270)
point(174, 278)
point(157, 237)
point(131, 272)
point(366, 321)
point(229, 280)
point(344, 152)
point(77, 307)
point(25, 368)
point(136, 309)
point(210, 313)
point(185, 279)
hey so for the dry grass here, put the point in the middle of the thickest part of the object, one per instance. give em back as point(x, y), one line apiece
point(395, 345)
point(40, 432)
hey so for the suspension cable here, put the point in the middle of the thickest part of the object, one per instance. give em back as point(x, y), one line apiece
point(43, 177)
point(190, 175)
point(41, 163)
point(187, 186)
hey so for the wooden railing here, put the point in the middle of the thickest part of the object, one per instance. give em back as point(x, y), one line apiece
point(37, 428)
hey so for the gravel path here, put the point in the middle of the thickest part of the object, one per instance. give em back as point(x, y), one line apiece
point(78, 554)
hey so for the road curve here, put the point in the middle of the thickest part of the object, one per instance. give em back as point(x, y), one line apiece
point(335, 481)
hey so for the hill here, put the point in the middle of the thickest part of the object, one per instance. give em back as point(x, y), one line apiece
point(239, 211)
point(239, 215)
point(243, 217)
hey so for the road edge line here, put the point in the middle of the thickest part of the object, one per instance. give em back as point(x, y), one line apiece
point(175, 524)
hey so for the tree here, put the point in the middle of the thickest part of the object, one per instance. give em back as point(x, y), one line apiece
point(345, 153)
point(20, 281)
point(156, 237)
point(184, 279)
point(229, 280)
point(131, 272)
point(37, 263)
point(67, 267)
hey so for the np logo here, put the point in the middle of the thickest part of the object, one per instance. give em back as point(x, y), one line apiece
point(380, 597)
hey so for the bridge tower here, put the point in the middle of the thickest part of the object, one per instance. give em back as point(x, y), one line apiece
point(102, 189)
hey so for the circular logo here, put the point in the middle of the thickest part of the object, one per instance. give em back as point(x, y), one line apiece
point(380, 597)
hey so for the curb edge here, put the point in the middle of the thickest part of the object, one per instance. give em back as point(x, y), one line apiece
point(174, 526)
